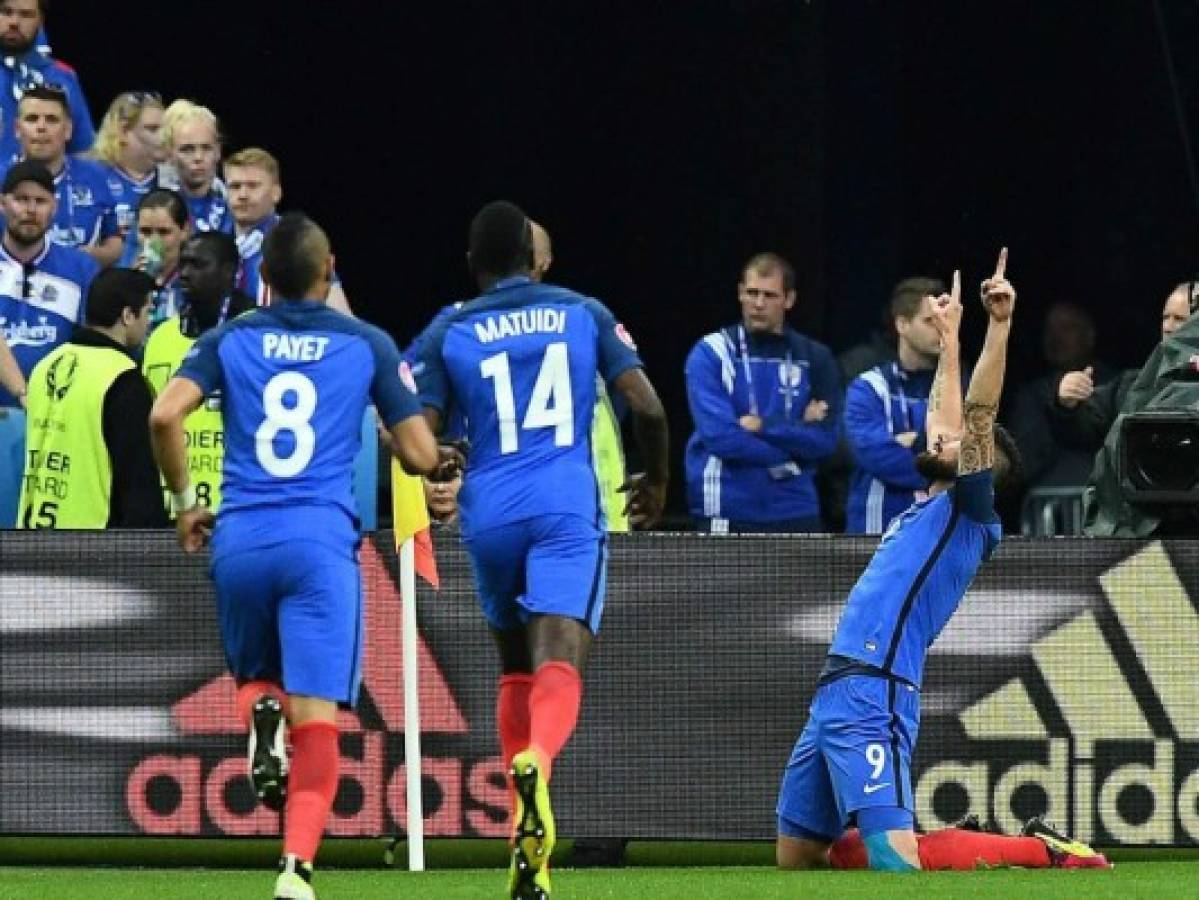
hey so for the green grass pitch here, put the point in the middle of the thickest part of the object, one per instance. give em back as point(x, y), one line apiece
point(1128, 880)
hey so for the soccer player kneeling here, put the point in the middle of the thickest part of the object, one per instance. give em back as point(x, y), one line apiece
point(853, 757)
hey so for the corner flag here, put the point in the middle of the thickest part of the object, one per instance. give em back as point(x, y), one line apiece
point(410, 518)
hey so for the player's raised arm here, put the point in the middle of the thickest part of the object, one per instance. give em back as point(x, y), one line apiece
point(986, 384)
point(178, 400)
point(647, 490)
point(943, 421)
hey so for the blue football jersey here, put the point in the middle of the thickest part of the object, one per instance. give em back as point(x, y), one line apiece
point(917, 578)
point(295, 380)
point(211, 212)
point(208, 213)
point(85, 214)
point(521, 362)
point(40, 304)
point(127, 192)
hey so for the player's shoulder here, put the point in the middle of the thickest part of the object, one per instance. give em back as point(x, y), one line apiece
point(875, 381)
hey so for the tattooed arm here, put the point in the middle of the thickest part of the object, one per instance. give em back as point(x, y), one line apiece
point(986, 384)
point(943, 421)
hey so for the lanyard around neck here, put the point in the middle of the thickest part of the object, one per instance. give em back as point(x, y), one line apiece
point(788, 388)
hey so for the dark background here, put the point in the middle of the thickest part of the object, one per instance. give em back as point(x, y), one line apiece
point(661, 147)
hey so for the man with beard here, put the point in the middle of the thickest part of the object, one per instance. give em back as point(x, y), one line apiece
point(207, 271)
point(852, 761)
point(23, 65)
point(884, 409)
point(42, 284)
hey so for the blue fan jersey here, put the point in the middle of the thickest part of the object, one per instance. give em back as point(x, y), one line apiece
point(520, 362)
point(40, 304)
point(127, 192)
point(917, 578)
point(208, 213)
point(295, 380)
point(249, 246)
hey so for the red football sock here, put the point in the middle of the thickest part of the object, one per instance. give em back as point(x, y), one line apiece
point(553, 709)
point(248, 694)
point(311, 787)
point(956, 848)
point(849, 851)
point(512, 719)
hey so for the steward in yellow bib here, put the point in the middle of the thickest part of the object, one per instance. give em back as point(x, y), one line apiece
point(88, 462)
point(207, 271)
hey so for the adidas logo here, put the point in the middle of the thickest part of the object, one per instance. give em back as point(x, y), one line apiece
point(1100, 732)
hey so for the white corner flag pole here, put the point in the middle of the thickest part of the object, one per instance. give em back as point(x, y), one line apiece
point(412, 759)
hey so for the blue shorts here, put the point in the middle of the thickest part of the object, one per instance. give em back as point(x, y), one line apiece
point(545, 566)
point(291, 612)
point(854, 753)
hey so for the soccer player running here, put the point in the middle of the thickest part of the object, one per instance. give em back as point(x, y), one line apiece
point(295, 380)
point(852, 760)
point(521, 361)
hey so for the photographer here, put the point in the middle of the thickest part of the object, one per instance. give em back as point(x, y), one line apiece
point(1106, 511)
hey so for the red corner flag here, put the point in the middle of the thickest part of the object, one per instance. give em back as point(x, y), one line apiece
point(410, 518)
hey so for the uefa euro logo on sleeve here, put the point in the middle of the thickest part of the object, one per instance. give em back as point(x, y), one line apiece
point(406, 377)
point(62, 375)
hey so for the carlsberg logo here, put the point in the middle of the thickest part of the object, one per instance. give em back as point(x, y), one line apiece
point(1104, 728)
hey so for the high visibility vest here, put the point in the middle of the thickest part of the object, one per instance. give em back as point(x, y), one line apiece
point(607, 456)
point(204, 429)
point(68, 471)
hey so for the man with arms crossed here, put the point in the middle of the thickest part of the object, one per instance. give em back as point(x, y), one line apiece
point(853, 757)
point(295, 380)
point(521, 362)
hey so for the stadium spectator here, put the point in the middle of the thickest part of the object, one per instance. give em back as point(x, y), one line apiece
point(283, 556)
point(255, 188)
point(11, 379)
point(85, 217)
point(88, 460)
point(853, 758)
point(1081, 412)
point(162, 227)
point(766, 402)
point(42, 285)
point(129, 146)
point(521, 360)
point(1068, 345)
point(191, 139)
point(25, 65)
point(207, 272)
point(884, 413)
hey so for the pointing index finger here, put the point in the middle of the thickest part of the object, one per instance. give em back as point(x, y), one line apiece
point(956, 290)
point(1001, 265)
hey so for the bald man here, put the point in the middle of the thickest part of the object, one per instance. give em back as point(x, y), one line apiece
point(297, 378)
point(543, 250)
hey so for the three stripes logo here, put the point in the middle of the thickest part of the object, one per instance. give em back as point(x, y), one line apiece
point(1100, 731)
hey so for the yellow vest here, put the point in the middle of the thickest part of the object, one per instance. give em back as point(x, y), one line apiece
point(204, 429)
point(68, 471)
point(607, 457)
